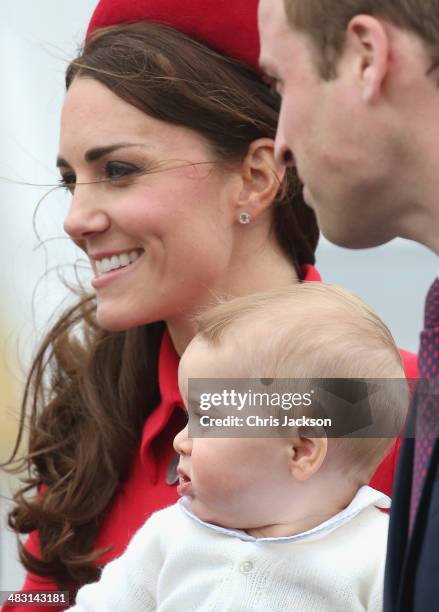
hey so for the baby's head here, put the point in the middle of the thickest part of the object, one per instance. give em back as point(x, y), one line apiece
point(310, 330)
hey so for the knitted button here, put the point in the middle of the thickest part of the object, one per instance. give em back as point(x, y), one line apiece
point(246, 567)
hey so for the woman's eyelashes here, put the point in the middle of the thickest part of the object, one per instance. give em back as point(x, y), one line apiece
point(113, 171)
point(67, 181)
point(116, 170)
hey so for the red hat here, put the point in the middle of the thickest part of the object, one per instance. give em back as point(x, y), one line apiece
point(228, 26)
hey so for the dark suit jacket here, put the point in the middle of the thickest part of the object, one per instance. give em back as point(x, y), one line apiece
point(412, 567)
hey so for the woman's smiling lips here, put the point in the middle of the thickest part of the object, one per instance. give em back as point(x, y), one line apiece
point(110, 266)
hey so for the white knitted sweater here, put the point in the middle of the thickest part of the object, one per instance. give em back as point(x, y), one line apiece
point(177, 563)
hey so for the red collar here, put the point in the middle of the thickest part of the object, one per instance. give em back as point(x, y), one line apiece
point(168, 369)
point(170, 399)
point(168, 385)
point(309, 273)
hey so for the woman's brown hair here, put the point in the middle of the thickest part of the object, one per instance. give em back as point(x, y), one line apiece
point(89, 391)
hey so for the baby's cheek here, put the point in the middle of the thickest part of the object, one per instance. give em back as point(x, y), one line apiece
point(216, 471)
point(232, 485)
point(208, 479)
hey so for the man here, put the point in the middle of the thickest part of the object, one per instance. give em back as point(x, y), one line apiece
point(359, 81)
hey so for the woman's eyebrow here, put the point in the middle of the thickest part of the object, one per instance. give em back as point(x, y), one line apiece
point(97, 152)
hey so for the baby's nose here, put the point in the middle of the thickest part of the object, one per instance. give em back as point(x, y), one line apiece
point(182, 442)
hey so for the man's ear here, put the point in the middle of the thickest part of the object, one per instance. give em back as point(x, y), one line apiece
point(306, 456)
point(368, 49)
point(261, 178)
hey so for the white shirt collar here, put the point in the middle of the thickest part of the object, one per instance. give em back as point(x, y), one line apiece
point(365, 496)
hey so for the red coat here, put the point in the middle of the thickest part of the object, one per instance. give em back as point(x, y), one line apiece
point(146, 489)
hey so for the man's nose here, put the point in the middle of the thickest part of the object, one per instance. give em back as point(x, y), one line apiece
point(86, 215)
point(282, 151)
point(286, 158)
point(283, 154)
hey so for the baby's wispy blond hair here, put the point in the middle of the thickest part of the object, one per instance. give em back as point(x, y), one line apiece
point(314, 330)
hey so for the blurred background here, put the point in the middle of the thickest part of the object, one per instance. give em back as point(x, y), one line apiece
point(37, 39)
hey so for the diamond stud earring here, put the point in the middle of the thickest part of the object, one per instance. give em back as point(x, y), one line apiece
point(244, 218)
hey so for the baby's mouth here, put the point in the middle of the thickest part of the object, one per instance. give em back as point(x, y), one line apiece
point(184, 483)
point(182, 477)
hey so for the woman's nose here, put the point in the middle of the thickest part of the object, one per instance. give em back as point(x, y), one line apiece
point(182, 442)
point(86, 215)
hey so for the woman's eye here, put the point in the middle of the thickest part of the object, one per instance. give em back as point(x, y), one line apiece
point(68, 181)
point(117, 170)
point(113, 171)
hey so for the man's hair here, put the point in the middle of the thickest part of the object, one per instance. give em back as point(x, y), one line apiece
point(310, 331)
point(326, 21)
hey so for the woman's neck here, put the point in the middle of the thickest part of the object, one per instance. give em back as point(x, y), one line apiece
point(269, 271)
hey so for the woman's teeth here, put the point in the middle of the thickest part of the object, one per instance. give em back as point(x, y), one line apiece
point(116, 261)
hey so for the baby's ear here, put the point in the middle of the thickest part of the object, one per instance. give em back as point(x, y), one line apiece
point(307, 455)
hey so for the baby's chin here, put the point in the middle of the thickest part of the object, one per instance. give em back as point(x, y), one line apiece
point(206, 514)
point(219, 518)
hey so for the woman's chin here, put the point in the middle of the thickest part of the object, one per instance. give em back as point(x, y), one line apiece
point(118, 322)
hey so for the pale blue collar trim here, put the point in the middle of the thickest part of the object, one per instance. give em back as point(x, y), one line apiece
point(366, 496)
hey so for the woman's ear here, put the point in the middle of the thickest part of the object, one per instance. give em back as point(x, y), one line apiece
point(261, 178)
point(307, 456)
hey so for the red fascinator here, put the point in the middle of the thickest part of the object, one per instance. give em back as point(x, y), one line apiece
point(228, 26)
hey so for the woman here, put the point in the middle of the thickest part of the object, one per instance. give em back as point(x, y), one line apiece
point(166, 145)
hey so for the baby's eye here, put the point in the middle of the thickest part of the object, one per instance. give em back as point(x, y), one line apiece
point(68, 181)
point(116, 170)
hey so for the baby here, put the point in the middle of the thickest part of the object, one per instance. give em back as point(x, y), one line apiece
point(269, 523)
